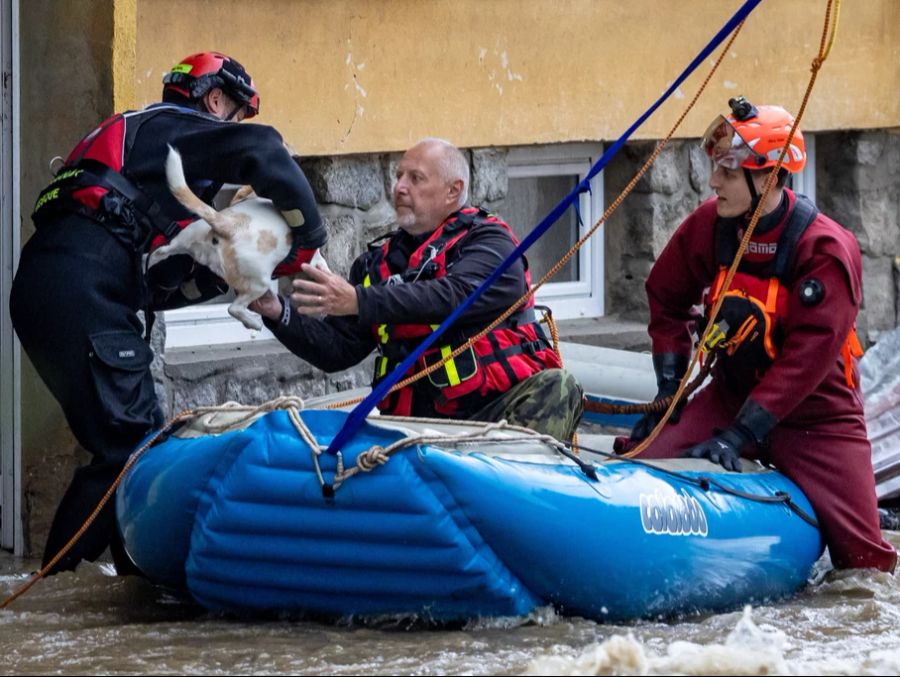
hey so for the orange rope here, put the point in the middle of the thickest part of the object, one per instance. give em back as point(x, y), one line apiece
point(93, 516)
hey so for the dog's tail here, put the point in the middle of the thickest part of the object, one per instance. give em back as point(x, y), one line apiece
point(220, 224)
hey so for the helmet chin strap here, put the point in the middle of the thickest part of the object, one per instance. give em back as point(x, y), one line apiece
point(754, 196)
point(234, 112)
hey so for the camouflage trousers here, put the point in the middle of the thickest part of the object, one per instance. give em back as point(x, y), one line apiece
point(550, 402)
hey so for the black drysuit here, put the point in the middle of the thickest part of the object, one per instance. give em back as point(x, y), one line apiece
point(78, 289)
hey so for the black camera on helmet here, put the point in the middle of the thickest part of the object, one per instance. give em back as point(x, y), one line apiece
point(742, 109)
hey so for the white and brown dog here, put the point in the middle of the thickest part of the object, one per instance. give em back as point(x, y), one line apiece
point(242, 244)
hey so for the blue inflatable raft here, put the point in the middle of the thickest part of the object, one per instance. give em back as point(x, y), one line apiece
point(448, 528)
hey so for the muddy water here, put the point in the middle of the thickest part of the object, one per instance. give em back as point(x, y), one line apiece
point(91, 622)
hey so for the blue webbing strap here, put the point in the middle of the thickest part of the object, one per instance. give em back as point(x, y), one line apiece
point(359, 413)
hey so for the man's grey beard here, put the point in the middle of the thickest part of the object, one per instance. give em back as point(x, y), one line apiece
point(407, 220)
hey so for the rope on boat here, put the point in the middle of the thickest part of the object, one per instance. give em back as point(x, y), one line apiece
point(289, 402)
point(705, 482)
point(378, 455)
point(103, 501)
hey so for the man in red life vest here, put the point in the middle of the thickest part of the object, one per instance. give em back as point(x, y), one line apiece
point(80, 280)
point(785, 388)
point(409, 282)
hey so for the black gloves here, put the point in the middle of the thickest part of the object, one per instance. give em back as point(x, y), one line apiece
point(669, 368)
point(724, 449)
point(751, 427)
point(179, 281)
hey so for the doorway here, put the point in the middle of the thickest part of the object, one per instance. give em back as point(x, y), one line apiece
point(10, 230)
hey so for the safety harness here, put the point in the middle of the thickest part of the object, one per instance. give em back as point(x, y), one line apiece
point(747, 325)
point(493, 364)
point(93, 183)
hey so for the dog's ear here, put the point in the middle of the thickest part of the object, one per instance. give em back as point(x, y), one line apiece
point(242, 193)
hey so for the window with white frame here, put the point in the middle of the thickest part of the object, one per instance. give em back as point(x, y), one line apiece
point(539, 178)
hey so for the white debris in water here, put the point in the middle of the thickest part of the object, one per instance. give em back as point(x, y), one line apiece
point(749, 649)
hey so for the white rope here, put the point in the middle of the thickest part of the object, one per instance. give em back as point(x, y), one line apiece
point(377, 455)
point(289, 402)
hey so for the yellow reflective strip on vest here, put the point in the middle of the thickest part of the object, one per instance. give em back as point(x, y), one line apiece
point(367, 281)
point(383, 333)
point(382, 367)
point(450, 366)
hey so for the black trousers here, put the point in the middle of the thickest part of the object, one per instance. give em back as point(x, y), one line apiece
point(73, 304)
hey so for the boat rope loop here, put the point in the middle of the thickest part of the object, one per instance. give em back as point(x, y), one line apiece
point(378, 455)
point(289, 402)
point(829, 30)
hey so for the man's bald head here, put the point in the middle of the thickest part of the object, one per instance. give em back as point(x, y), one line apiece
point(432, 183)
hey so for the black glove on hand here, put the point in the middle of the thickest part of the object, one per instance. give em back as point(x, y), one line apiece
point(191, 285)
point(169, 273)
point(724, 449)
point(669, 368)
point(751, 427)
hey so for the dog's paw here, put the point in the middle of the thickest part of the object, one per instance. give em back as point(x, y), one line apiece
point(254, 324)
point(246, 317)
point(319, 262)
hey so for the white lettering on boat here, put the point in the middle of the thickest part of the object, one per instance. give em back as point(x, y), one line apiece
point(673, 514)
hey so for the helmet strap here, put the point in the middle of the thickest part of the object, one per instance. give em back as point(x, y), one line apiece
point(754, 195)
point(234, 112)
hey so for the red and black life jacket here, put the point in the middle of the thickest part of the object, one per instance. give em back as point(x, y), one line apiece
point(751, 317)
point(93, 183)
point(507, 355)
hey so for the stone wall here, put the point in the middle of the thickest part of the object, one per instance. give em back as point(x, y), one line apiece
point(857, 184)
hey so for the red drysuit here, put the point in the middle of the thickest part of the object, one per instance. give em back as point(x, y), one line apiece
point(820, 440)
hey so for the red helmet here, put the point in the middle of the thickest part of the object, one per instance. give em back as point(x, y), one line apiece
point(752, 137)
point(196, 74)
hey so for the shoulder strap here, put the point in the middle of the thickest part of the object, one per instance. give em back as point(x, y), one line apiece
point(726, 242)
point(804, 213)
point(88, 173)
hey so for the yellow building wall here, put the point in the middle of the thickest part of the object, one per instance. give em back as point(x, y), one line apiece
point(345, 76)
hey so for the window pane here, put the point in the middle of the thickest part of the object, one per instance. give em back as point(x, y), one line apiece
point(530, 199)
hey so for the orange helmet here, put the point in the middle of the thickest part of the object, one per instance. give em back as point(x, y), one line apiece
point(752, 137)
point(195, 75)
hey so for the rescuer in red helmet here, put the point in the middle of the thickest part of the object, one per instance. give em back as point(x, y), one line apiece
point(81, 280)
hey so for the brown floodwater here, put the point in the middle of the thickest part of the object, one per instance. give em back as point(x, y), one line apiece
point(91, 622)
